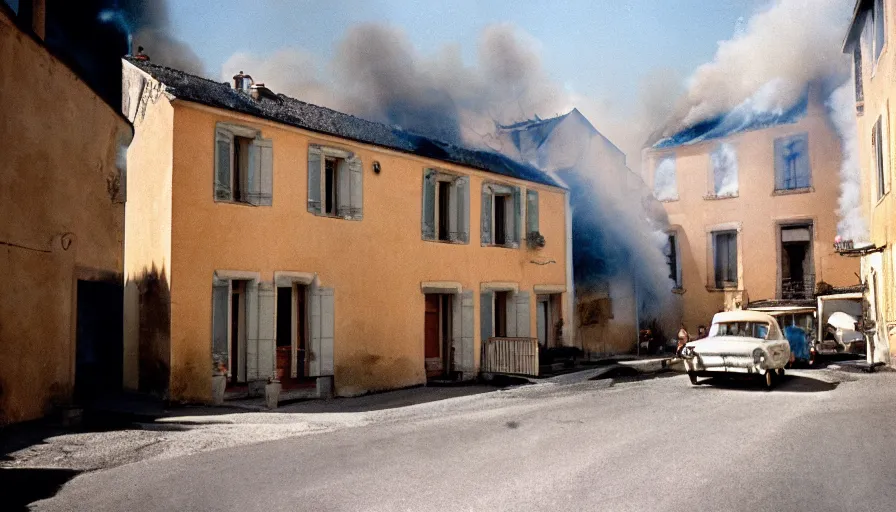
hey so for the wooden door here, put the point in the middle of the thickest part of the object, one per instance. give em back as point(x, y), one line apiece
point(432, 342)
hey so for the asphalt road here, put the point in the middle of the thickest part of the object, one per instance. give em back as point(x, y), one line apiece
point(823, 441)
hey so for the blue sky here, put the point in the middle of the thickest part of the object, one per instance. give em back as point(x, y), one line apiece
point(598, 48)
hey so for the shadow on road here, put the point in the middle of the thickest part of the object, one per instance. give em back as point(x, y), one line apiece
point(19, 487)
point(790, 384)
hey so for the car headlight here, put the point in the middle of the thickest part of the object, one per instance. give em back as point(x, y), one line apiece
point(758, 356)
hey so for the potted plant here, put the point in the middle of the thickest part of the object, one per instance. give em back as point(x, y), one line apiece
point(219, 381)
point(535, 239)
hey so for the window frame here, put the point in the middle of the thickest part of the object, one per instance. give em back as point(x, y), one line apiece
point(713, 192)
point(514, 220)
point(673, 258)
point(343, 176)
point(659, 160)
point(716, 283)
point(878, 150)
point(458, 225)
point(782, 140)
point(878, 12)
point(238, 133)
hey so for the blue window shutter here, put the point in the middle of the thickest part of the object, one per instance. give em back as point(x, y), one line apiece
point(356, 175)
point(462, 197)
point(428, 222)
point(314, 165)
point(220, 321)
point(486, 215)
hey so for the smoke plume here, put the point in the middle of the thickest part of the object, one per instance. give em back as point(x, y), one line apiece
point(792, 43)
point(841, 108)
point(148, 25)
point(379, 75)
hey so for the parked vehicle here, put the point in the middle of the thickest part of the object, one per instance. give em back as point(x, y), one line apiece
point(837, 331)
point(746, 343)
point(798, 323)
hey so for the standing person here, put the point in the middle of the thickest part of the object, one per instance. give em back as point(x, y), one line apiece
point(702, 332)
point(683, 338)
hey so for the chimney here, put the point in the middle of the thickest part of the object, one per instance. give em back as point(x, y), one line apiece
point(242, 82)
point(140, 55)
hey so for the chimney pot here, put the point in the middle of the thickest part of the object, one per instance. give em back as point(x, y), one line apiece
point(242, 82)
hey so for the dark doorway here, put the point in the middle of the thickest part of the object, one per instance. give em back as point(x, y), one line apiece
point(797, 267)
point(98, 342)
point(237, 333)
point(432, 351)
point(291, 334)
point(501, 314)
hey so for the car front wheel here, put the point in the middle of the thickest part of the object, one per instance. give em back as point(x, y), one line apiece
point(770, 379)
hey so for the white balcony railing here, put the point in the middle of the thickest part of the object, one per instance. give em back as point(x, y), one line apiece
point(511, 356)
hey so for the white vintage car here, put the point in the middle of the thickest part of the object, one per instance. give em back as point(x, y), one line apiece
point(739, 342)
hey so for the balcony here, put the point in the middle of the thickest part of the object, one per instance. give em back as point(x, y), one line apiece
point(510, 356)
point(798, 288)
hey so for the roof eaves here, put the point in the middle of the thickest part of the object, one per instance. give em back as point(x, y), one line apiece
point(854, 26)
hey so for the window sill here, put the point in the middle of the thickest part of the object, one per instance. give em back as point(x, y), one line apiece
point(792, 191)
point(507, 246)
point(724, 289)
point(339, 217)
point(445, 242)
point(672, 200)
point(714, 197)
point(881, 198)
point(231, 201)
point(678, 290)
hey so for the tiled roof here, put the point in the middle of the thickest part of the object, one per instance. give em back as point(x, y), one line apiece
point(297, 113)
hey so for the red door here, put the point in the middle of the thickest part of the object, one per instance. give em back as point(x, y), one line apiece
point(432, 345)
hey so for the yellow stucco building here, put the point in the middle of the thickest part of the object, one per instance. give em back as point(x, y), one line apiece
point(272, 239)
point(752, 211)
point(869, 42)
point(61, 238)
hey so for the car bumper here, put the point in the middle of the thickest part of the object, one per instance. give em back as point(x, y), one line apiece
point(724, 364)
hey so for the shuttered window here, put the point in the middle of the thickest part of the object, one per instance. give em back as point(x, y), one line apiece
point(335, 183)
point(532, 211)
point(792, 170)
point(244, 166)
point(725, 259)
point(501, 215)
point(446, 207)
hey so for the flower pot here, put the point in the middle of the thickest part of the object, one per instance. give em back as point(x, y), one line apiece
point(219, 384)
point(272, 394)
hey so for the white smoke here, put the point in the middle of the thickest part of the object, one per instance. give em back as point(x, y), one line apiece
point(791, 43)
point(841, 110)
point(724, 169)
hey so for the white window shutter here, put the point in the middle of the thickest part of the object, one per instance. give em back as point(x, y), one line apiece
point(467, 360)
point(327, 330)
point(315, 162)
point(322, 332)
point(428, 221)
point(486, 328)
point(356, 184)
point(343, 190)
point(220, 321)
point(251, 306)
point(261, 188)
point(523, 329)
point(486, 215)
point(266, 322)
point(462, 209)
point(517, 217)
point(223, 161)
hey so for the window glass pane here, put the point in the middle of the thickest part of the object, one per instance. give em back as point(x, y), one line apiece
point(665, 186)
point(792, 163)
point(879, 29)
point(724, 170)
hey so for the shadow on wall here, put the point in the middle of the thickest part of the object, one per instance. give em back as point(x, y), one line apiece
point(153, 296)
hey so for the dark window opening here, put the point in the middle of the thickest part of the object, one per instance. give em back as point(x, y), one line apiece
point(725, 259)
point(500, 220)
point(330, 186)
point(500, 314)
point(879, 158)
point(672, 258)
point(240, 166)
point(444, 194)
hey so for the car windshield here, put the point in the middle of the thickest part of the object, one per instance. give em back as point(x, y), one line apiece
point(746, 329)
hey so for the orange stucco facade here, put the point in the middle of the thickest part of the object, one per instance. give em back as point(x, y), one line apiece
point(878, 205)
point(757, 212)
point(63, 218)
point(376, 266)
